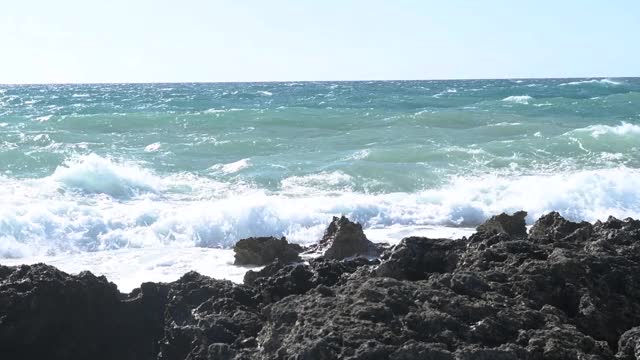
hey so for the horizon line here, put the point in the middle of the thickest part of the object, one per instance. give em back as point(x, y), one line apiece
point(310, 81)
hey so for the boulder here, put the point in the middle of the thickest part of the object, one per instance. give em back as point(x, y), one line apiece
point(260, 251)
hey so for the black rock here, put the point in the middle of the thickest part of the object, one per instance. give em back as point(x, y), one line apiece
point(569, 291)
point(553, 227)
point(512, 225)
point(414, 258)
point(344, 238)
point(48, 314)
point(263, 250)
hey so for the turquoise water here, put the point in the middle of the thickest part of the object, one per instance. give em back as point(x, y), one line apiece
point(101, 167)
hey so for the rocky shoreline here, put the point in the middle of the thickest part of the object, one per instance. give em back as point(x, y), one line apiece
point(562, 290)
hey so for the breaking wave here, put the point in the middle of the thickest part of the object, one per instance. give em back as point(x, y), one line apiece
point(37, 220)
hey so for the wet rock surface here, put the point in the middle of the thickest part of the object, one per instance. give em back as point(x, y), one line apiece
point(566, 290)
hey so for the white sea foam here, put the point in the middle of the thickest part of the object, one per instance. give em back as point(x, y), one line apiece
point(265, 93)
point(117, 205)
point(592, 81)
point(44, 118)
point(128, 268)
point(314, 183)
point(624, 129)
point(93, 174)
point(233, 167)
point(518, 99)
point(152, 147)
point(506, 124)
point(448, 91)
point(359, 155)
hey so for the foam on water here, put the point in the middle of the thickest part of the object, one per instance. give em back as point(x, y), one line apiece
point(624, 129)
point(93, 174)
point(128, 268)
point(126, 170)
point(152, 147)
point(101, 205)
point(519, 99)
point(233, 167)
point(607, 82)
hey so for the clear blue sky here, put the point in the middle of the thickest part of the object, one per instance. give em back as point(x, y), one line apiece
point(46, 41)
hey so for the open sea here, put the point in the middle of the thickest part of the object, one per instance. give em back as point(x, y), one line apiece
point(144, 182)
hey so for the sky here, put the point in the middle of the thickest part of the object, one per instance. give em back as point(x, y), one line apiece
point(88, 41)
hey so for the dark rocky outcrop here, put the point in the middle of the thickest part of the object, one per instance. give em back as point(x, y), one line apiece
point(48, 314)
point(568, 291)
point(264, 250)
point(512, 225)
point(344, 238)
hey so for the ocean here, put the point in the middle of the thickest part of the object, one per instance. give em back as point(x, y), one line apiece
point(143, 182)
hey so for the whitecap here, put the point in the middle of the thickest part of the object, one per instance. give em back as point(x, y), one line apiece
point(623, 129)
point(518, 99)
point(592, 81)
point(265, 93)
point(506, 124)
point(93, 174)
point(152, 147)
point(44, 118)
point(358, 155)
point(233, 167)
point(317, 182)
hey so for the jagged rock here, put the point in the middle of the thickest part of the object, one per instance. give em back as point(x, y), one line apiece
point(207, 318)
point(553, 227)
point(512, 225)
point(48, 314)
point(264, 250)
point(570, 291)
point(629, 345)
point(414, 258)
point(344, 238)
point(278, 280)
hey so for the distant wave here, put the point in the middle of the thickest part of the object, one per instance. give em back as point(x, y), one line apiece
point(152, 147)
point(520, 99)
point(506, 124)
point(624, 129)
point(233, 167)
point(592, 81)
point(359, 155)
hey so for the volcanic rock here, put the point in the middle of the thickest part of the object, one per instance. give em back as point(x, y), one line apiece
point(264, 250)
point(344, 238)
point(570, 291)
point(512, 225)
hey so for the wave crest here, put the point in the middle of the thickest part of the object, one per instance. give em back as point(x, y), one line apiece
point(624, 129)
point(606, 82)
point(93, 174)
point(35, 220)
point(518, 99)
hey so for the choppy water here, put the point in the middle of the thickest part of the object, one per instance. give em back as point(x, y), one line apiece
point(86, 168)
